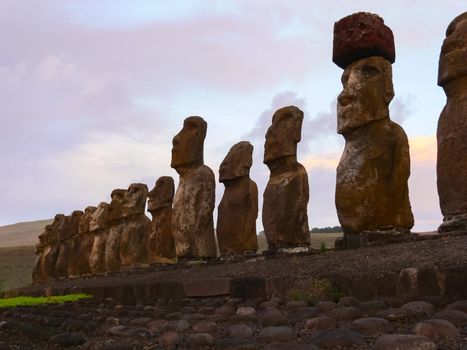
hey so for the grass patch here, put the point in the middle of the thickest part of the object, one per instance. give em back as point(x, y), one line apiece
point(30, 301)
point(313, 291)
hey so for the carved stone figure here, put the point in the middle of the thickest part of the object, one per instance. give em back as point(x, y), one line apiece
point(285, 218)
point(135, 226)
point(47, 251)
point(113, 239)
point(161, 246)
point(83, 242)
point(65, 264)
point(372, 198)
point(193, 205)
point(452, 127)
point(98, 225)
point(238, 209)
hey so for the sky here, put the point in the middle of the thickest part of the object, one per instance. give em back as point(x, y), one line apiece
point(92, 93)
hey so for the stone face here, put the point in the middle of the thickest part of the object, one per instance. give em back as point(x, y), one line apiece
point(452, 128)
point(161, 245)
point(285, 218)
point(193, 205)
point(362, 35)
point(135, 226)
point(371, 184)
point(238, 209)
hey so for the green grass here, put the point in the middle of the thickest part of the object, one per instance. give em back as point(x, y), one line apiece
point(30, 301)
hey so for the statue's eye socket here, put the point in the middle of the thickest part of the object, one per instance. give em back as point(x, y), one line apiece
point(369, 71)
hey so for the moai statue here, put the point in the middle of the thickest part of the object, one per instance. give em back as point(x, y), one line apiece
point(51, 247)
point(452, 127)
point(82, 243)
point(285, 218)
point(46, 252)
point(238, 209)
point(136, 226)
point(38, 273)
point(65, 264)
point(161, 245)
point(116, 225)
point(372, 197)
point(99, 226)
point(193, 205)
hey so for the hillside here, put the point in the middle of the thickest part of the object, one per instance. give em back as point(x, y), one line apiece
point(22, 234)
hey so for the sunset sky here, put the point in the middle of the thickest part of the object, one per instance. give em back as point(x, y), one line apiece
point(92, 93)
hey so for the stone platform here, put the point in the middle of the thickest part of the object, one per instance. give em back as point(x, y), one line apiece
point(434, 266)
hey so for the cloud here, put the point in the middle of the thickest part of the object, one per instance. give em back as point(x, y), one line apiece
point(402, 108)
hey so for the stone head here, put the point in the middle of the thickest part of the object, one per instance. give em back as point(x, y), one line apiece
point(73, 224)
point(134, 200)
point(53, 230)
point(453, 57)
point(283, 134)
point(188, 144)
point(115, 207)
point(100, 217)
point(161, 196)
point(367, 92)
point(237, 163)
point(85, 218)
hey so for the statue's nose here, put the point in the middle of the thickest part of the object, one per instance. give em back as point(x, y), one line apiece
point(344, 98)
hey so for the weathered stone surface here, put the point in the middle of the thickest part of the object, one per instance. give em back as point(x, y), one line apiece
point(452, 127)
point(273, 317)
point(207, 287)
point(404, 342)
point(238, 209)
point(362, 35)
point(136, 226)
point(285, 217)
point(199, 340)
point(169, 339)
point(67, 339)
point(371, 186)
point(161, 245)
point(241, 331)
point(418, 308)
point(277, 334)
point(372, 326)
point(371, 307)
point(325, 306)
point(337, 338)
point(457, 318)
point(193, 205)
point(460, 305)
point(436, 328)
point(321, 323)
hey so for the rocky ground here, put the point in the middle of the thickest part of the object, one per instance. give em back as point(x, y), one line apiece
point(226, 323)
